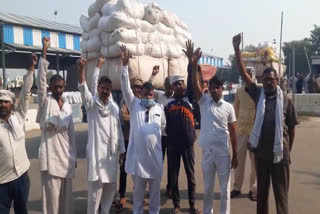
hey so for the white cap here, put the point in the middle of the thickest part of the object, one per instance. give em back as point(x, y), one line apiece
point(6, 95)
point(176, 78)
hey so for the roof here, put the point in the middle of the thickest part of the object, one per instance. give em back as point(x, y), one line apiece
point(9, 18)
point(210, 55)
point(19, 47)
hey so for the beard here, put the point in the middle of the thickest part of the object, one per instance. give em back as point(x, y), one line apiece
point(4, 112)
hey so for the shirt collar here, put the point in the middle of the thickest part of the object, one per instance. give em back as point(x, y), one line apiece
point(219, 103)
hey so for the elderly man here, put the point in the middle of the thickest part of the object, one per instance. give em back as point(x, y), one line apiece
point(136, 83)
point(105, 139)
point(272, 135)
point(218, 127)
point(14, 163)
point(144, 155)
point(57, 151)
point(245, 112)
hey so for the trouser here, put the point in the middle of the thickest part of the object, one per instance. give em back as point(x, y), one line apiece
point(56, 194)
point(212, 164)
point(239, 171)
point(123, 175)
point(16, 191)
point(279, 174)
point(174, 157)
point(100, 193)
point(138, 194)
point(164, 142)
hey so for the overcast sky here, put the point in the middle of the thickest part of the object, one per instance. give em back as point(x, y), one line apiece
point(212, 23)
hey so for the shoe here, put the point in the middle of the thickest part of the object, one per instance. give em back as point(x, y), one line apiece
point(252, 196)
point(175, 210)
point(235, 193)
point(169, 193)
point(195, 210)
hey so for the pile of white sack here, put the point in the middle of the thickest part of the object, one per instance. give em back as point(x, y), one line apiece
point(152, 35)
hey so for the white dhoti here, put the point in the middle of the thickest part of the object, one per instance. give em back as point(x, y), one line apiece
point(239, 171)
point(212, 164)
point(56, 194)
point(138, 194)
point(100, 193)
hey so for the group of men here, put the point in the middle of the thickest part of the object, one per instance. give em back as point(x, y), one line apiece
point(148, 124)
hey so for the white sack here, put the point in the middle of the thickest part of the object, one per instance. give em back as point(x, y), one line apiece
point(168, 19)
point(93, 22)
point(146, 26)
point(179, 31)
point(174, 51)
point(121, 35)
point(92, 45)
point(109, 8)
point(164, 29)
point(94, 33)
point(85, 35)
point(93, 9)
point(156, 50)
point(132, 8)
point(180, 23)
point(115, 21)
point(90, 55)
point(152, 13)
point(84, 23)
point(114, 50)
point(178, 66)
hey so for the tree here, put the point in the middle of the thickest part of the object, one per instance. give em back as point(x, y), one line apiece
point(301, 65)
point(315, 39)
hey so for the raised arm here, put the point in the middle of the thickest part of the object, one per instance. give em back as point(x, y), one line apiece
point(189, 53)
point(197, 92)
point(127, 93)
point(95, 76)
point(42, 73)
point(87, 99)
point(241, 67)
point(155, 71)
point(25, 93)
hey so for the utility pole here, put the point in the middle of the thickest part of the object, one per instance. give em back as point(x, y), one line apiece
point(3, 57)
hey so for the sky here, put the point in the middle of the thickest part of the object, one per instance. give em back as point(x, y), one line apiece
point(212, 23)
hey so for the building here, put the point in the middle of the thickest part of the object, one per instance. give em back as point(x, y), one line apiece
point(212, 60)
point(20, 35)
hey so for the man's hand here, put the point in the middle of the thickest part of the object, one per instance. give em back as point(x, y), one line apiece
point(155, 70)
point(234, 162)
point(189, 50)
point(125, 55)
point(45, 46)
point(196, 56)
point(33, 59)
point(236, 42)
point(122, 157)
point(81, 63)
point(100, 62)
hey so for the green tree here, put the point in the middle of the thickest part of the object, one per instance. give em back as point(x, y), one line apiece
point(315, 39)
point(301, 65)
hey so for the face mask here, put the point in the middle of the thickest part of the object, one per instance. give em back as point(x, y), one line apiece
point(147, 102)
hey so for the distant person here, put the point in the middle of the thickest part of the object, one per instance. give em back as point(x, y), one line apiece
point(299, 84)
point(272, 135)
point(245, 112)
point(105, 140)
point(144, 156)
point(57, 151)
point(218, 126)
point(14, 162)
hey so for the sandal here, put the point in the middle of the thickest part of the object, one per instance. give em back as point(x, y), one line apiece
point(195, 210)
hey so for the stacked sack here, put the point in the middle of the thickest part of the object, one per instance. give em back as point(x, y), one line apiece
point(152, 35)
point(266, 51)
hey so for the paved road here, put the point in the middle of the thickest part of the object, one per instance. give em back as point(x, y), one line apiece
point(304, 183)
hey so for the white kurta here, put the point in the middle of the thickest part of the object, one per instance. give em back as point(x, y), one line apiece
point(57, 151)
point(144, 155)
point(105, 139)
